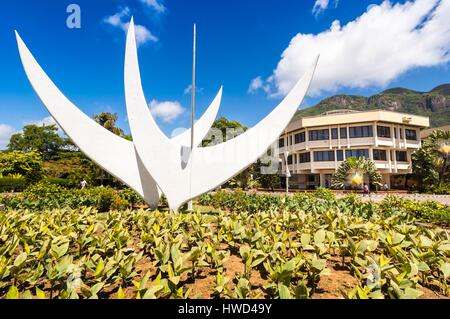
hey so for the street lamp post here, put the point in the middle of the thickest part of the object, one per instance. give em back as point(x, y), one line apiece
point(288, 173)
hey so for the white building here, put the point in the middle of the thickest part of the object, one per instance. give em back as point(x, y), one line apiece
point(317, 145)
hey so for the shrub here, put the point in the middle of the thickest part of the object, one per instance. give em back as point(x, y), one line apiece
point(428, 211)
point(323, 201)
point(61, 182)
point(43, 189)
point(325, 193)
point(8, 184)
point(29, 165)
point(105, 199)
point(119, 203)
point(130, 196)
point(47, 195)
point(441, 189)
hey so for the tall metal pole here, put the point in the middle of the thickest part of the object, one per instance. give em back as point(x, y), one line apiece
point(193, 86)
point(194, 53)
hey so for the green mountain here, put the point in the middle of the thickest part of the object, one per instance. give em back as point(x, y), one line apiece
point(434, 104)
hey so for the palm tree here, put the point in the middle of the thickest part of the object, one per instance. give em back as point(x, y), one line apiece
point(352, 171)
point(431, 163)
point(109, 121)
point(439, 145)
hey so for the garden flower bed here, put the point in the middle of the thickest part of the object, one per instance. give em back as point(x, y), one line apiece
point(309, 246)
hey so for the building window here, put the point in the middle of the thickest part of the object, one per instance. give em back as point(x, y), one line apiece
point(291, 139)
point(411, 135)
point(401, 156)
point(305, 157)
point(325, 156)
point(281, 142)
point(384, 131)
point(357, 153)
point(289, 160)
point(300, 138)
point(340, 155)
point(334, 134)
point(311, 178)
point(361, 131)
point(343, 132)
point(379, 155)
point(319, 135)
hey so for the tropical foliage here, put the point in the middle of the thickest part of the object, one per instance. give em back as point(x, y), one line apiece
point(108, 121)
point(254, 203)
point(431, 163)
point(28, 165)
point(48, 195)
point(285, 252)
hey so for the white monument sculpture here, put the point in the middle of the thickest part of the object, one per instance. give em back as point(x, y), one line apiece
point(153, 163)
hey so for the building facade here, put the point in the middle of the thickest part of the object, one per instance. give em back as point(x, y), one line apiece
point(316, 146)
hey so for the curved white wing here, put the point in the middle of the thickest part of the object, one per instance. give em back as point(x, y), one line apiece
point(111, 152)
point(207, 167)
point(202, 126)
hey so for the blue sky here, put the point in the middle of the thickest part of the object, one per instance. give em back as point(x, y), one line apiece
point(256, 49)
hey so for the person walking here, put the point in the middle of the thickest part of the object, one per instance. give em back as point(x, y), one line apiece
point(366, 189)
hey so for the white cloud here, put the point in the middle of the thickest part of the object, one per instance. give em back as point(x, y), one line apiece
point(257, 84)
point(188, 90)
point(155, 4)
point(167, 111)
point(320, 6)
point(143, 35)
point(385, 42)
point(116, 19)
point(6, 131)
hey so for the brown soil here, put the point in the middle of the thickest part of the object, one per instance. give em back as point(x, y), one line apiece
point(203, 287)
point(332, 285)
point(338, 280)
point(431, 294)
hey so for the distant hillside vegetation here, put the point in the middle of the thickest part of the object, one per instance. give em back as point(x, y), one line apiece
point(434, 104)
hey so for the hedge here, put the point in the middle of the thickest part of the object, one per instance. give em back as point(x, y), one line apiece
point(8, 184)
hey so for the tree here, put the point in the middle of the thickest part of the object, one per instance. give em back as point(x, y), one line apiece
point(228, 130)
point(351, 173)
point(268, 181)
point(109, 121)
point(431, 163)
point(28, 165)
point(91, 171)
point(43, 139)
point(223, 130)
